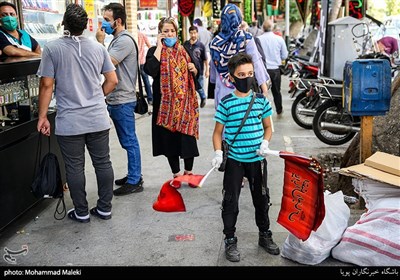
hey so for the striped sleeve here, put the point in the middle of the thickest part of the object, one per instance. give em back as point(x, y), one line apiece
point(221, 114)
point(267, 109)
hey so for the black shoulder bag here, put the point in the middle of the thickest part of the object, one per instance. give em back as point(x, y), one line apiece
point(141, 104)
point(225, 146)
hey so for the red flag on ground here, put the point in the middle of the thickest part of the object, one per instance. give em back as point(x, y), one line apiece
point(169, 199)
point(302, 208)
point(193, 180)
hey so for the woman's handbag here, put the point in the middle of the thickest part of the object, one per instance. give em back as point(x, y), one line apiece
point(225, 145)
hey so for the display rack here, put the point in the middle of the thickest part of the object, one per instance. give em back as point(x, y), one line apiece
point(19, 137)
point(148, 23)
point(42, 20)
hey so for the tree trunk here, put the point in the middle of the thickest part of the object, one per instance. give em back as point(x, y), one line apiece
point(335, 10)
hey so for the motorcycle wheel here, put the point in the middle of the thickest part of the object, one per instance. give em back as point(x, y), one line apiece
point(332, 112)
point(301, 101)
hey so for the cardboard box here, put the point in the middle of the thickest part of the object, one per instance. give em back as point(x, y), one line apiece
point(384, 162)
point(381, 167)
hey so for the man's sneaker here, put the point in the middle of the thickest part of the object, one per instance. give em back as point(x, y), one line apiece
point(265, 241)
point(120, 182)
point(231, 252)
point(203, 103)
point(129, 188)
point(102, 215)
point(72, 215)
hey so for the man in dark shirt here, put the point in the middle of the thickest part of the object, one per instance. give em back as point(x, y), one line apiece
point(13, 41)
point(198, 52)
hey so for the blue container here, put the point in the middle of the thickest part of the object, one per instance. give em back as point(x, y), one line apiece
point(367, 85)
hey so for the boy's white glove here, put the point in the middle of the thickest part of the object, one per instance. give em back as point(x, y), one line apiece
point(217, 160)
point(264, 148)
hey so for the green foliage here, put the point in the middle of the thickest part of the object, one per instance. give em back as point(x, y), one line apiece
point(294, 14)
point(247, 11)
point(392, 7)
point(380, 9)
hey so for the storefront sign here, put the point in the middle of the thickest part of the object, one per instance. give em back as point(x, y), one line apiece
point(148, 3)
point(356, 9)
point(89, 7)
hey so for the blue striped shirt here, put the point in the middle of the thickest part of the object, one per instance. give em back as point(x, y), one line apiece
point(230, 112)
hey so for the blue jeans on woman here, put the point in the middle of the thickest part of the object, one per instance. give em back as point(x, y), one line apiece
point(123, 116)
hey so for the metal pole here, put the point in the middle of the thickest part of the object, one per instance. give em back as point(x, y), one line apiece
point(287, 22)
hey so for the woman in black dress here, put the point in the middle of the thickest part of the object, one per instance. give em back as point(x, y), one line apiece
point(175, 119)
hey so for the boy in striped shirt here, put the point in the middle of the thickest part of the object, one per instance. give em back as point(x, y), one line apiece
point(243, 160)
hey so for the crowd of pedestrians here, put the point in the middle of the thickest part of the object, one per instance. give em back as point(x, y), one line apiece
point(240, 63)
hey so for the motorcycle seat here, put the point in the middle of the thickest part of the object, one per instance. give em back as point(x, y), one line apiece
point(334, 90)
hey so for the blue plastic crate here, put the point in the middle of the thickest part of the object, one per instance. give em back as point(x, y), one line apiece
point(367, 85)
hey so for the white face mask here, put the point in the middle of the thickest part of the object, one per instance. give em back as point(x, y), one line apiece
point(77, 39)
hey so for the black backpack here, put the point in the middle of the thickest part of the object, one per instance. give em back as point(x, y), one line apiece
point(47, 182)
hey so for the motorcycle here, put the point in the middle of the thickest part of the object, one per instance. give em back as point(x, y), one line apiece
point(301, 69)
point(307, 100)
point(331, 123)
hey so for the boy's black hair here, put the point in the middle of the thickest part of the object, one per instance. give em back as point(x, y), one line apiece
point(193, 28)
point(75, 19)
point(118, 11)
point(237, 60)
point(4, 3)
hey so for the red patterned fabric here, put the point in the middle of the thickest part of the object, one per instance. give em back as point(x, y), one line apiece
point(179, 108)
point(302, 208)
point(186, 7)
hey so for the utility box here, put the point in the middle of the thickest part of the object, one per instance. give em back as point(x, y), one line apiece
point(341, 46)
point(367, 85)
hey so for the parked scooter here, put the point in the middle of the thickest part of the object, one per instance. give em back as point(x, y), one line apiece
point(293, 50)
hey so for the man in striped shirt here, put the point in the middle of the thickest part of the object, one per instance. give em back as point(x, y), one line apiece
point(243, 159)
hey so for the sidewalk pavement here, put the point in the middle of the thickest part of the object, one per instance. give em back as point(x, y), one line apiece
point(137, 235)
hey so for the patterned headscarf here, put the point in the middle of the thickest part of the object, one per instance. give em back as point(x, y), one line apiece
point(179, 109)
point(229, 41)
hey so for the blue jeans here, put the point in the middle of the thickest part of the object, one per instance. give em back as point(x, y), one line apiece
point(146, 82)
point(123, 117)
point(201, 91)
point(73, 151)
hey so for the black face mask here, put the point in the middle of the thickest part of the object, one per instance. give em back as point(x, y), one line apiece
point(243, 85)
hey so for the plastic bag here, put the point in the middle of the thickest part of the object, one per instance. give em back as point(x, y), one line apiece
point(320, 243)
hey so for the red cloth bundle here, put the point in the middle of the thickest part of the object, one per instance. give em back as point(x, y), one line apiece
point(169, 199)
point(302, 207)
